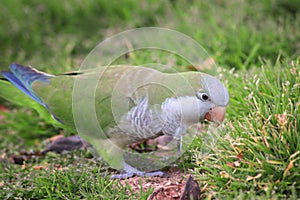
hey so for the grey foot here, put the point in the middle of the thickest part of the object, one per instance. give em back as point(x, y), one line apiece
point(130, 171)
point(140, 174)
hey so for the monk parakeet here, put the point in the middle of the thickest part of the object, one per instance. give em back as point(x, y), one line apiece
point(130, 103)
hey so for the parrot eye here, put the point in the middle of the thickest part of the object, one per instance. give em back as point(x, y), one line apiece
point(202, 96)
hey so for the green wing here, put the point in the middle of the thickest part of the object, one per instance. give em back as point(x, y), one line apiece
point(12, 94)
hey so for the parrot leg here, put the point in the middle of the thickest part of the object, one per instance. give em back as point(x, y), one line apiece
point(179, 145)
point(131, 171)
point(178, 137)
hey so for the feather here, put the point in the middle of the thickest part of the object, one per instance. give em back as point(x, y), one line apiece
point(23, 77)
point(116, 106)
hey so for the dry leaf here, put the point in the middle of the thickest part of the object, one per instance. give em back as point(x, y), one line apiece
point(290, 166)
point(4, 109)
point(52, 139)
point(249, 178)
point(240, 155)
point(191, 190)
point(64, 144)
point(224, 174)
point(39, 167)
point(207, 64)
point(230, 164)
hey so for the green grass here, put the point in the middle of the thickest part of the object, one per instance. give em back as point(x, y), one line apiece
point(258, 151)
point(257, 154)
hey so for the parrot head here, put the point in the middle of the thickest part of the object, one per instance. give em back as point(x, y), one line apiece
point(214, 97)
point(207, 99)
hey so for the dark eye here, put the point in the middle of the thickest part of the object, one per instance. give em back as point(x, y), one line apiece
point(202, 96)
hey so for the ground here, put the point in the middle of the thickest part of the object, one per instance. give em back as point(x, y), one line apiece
point(253, 155)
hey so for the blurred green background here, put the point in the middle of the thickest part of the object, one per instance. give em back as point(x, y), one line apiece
point(55, 35)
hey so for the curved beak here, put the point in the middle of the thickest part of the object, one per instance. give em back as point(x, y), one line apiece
point(216, 114)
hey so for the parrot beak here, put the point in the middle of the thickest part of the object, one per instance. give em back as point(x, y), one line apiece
point(216, 114)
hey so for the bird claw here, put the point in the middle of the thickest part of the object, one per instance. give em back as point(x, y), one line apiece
point(140, 174)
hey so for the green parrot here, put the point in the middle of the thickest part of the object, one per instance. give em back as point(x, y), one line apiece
point(115, 106)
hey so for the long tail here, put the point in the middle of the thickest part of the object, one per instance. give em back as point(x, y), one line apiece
point(23, 77)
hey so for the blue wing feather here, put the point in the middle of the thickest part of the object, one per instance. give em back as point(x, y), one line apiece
point(23, 77)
